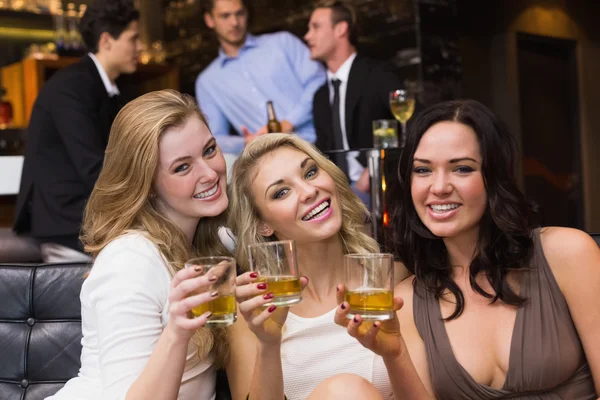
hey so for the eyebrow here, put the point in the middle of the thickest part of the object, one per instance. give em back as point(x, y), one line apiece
point(280, 181)
point(226, 14)
point(211, 142)
point(452, 161)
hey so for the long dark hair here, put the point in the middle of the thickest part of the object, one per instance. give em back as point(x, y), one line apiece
point(505, 231)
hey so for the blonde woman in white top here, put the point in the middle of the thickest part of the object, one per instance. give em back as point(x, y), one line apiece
point(158, 201)
point(276, 182)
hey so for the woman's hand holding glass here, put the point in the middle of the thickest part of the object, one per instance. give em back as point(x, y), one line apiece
point(367, 305)
point(273, 285)
point(381, 337)
point(265, 320)
point(181, 301)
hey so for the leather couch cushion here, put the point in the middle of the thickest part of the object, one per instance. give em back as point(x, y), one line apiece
point(40, 328)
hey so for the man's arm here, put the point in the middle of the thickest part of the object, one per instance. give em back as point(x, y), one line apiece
point(310, 73)
point(217, 122)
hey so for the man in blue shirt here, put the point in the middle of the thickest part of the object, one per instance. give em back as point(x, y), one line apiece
point(250, 70)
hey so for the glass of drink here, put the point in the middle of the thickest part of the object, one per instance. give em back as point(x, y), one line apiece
point(223, 308)
point(277, 265)
point(402, 104)
point(369, 280)
point(385, 133)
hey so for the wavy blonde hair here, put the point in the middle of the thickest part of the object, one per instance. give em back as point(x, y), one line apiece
point(121, 201)
point(244, 216)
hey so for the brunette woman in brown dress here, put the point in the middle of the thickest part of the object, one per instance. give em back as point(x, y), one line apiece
point(496, 309)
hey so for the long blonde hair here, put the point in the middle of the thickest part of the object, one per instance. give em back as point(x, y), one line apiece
point(121, 201)
point(244, 216)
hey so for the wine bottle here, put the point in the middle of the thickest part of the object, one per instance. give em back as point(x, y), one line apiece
point(272, 125)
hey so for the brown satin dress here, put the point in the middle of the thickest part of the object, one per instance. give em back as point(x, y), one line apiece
point(547, 361)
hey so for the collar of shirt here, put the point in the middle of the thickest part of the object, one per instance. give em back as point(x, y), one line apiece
point(111, 88)
point(342, 74)
point(251, 41)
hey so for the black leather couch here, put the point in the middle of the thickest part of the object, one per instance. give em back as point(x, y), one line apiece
point(40, 328)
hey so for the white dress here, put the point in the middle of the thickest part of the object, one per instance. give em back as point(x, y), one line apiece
point(313, 349)
point(124, 309)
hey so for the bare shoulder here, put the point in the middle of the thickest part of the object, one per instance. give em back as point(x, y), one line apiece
point(566, 239)
point(568, 250)
point(574, 258)
point(566, 245)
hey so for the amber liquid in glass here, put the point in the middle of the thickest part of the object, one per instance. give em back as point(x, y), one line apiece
point(402, 109)
point(286, 289)
point(281, 285)
point(367, 301)
point(222, 305)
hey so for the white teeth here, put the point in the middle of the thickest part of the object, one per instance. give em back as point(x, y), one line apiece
point(444, 207)
point(321, 207)
point(207, 193)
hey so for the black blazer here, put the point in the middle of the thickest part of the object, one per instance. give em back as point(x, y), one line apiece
point(66, 138)
point(367, 98)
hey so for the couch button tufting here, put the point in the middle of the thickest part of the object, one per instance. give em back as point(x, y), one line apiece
point(30, 321)
point(24, 383)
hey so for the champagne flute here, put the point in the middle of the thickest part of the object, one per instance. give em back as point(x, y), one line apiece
point(402, 105)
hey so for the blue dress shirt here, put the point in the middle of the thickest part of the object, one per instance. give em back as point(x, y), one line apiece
point(235, 90)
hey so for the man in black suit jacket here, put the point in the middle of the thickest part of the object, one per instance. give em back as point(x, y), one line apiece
point(364, 85)
point(68, 131)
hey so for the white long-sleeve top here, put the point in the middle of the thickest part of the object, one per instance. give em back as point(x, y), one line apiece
point(313, 349)
point(124, 309)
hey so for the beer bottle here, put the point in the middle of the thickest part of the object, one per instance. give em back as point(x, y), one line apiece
point(273, 125)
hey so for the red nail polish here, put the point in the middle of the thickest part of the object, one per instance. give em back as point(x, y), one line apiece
point(254, 275)
point(262, 286)
point(272, 308)
point(268, 296)
point(355, 320)
point(343, 306)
